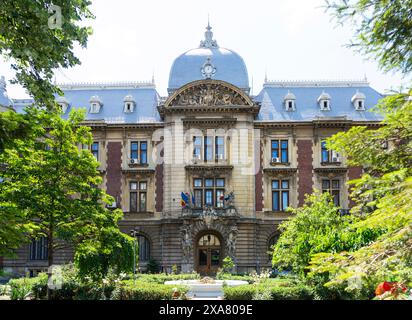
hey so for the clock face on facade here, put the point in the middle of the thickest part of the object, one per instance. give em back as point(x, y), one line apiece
point(208, 70)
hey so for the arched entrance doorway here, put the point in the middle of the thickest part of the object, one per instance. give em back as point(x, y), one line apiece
point(208, 254)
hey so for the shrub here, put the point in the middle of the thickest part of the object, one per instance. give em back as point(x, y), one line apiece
point(128, 290)
point(244, 292)
point(22, 288)
point(160, 278)
point(153, 266)
point(261, 292)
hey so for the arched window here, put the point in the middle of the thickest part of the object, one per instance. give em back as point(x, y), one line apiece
point(144, 248)
point(209, 240)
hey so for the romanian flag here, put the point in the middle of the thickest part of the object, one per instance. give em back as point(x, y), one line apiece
point(185, 199)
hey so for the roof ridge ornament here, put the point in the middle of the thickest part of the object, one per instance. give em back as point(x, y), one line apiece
point(208, 42)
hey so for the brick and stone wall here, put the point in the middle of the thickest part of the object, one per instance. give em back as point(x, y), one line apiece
point(305, 169)
point(259, 182)
point(114, 170)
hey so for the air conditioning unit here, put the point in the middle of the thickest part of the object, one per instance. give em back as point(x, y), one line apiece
point(275, 160)
point(133, 161)
point(335, 159)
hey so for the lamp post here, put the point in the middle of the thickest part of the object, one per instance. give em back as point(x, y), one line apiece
point(134, 234)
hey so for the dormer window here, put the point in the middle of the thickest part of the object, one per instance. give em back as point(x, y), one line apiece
point(63, 103)
point(358, 101)
point(289, 101)
point(324, 101)
point(95, 104)
point(129, 104)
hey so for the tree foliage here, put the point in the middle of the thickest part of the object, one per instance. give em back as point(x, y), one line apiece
point(35, 48)
point(51, 185)
point(316, 227)
point(383, 195)
point(383, 29)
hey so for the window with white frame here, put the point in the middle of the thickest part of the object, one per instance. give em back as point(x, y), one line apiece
point(279, 151)
point(280, 194)
point(138, 152)
point(95, 150)
point(138, 196)
point(328, 156)
point(208, 148)
point(332, 186)
point(209, 192)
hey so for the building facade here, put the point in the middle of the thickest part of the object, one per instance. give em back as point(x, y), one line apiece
point(208, 171)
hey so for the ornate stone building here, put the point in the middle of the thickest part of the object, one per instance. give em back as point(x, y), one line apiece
point(208, 171)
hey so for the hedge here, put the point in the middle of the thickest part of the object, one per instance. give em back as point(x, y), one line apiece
point(147, 291)
point(73, 289)
point(247, 292)
point(162, 277)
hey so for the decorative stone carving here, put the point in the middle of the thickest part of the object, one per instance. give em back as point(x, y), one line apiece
point(209, 94)
point(231, 242)
point(187, 243)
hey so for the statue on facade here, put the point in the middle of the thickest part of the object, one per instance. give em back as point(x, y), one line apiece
point(229, 199)
point(231, 242)
point(186, 243)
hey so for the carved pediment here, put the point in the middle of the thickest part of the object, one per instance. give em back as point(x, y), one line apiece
point(208, 93)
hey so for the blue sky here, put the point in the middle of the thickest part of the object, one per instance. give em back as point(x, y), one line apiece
point(288, 39)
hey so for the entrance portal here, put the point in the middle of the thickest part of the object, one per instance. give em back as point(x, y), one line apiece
point(208, 254)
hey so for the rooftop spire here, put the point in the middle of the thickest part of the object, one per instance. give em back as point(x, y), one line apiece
point(208, 42)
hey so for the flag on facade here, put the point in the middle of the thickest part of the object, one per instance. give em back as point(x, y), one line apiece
point(185, 199)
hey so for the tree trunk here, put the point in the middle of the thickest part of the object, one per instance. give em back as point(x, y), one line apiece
point(50, 257)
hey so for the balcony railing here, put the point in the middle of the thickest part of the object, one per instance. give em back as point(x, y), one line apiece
point(228, 211)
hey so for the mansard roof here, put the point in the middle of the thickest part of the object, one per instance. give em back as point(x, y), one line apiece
point(307, 108)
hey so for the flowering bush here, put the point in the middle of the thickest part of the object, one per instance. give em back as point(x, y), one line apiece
point(392, 291)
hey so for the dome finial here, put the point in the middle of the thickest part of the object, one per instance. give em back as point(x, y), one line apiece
point(208, 42)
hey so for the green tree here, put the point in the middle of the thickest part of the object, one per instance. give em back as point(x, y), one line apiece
point(53, 184)
point(37, 37)
point(383, 195)
point(315, 227)
point(383, 29)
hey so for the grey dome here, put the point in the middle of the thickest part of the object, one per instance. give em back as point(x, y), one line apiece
point(229, 66)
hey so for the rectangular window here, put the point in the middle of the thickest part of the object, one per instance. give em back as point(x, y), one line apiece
point(208, 148)
point(325, 152)
point(138, 196)
point(209, 197)
point(284, 151)
point(142, 201)
point(38, 249)
point(198, 198)
point(220, 148)
point(209, 192)
point(197, 148)
point(280, 195)
point(280, 151)
point(143, 152)
point(333, 187)
point(95, 150)
point(275, 149)
point(133, 196)
point(220, 194)
point(134, 150)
